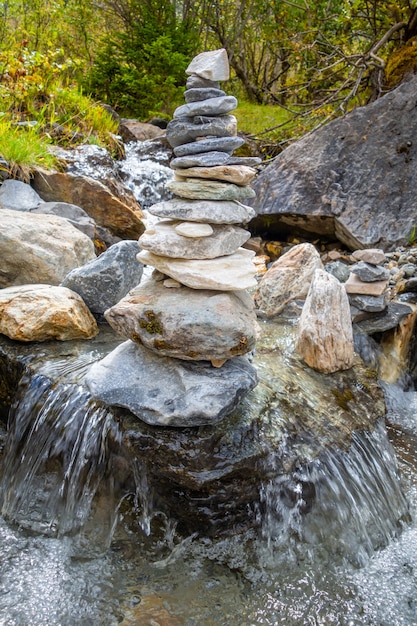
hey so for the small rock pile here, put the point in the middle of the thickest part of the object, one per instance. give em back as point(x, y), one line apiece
point(368, 284)
point(194, 314)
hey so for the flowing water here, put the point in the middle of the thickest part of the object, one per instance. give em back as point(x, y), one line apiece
point(80, 542)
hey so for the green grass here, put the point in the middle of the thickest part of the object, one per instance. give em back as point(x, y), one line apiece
point(23, 150)
point(261, 120)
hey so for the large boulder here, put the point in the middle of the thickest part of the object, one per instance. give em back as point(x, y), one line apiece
point(39, 248)
point(117, 213)
point(354, 178)
point(44, 312)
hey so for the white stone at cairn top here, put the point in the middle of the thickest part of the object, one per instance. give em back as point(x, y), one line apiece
point(212, 65)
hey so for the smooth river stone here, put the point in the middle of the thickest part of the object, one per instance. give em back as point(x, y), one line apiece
point(202, 93)
point(186, 129)
point(228, 273)
point(238, 174)
point(169, 392)
point(210, 144)
point(202, 159)
point(194, 229)
point(164, 240)
point(200, 189)
point(184, 323)
point(209, 211)
point(197, 82)
point(211, 107)
point(212, 65)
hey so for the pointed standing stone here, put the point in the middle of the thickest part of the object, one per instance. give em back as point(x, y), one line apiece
point(212, 65)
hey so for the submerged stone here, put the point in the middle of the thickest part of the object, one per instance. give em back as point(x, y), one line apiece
point(210, 211)
point(165, 240)
point(227, 273)
point(210, 144)
point(190, 324)
point(211, 106)
point(169, 392)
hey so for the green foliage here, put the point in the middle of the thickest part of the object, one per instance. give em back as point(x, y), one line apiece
point(141, 69)
point(23, 149)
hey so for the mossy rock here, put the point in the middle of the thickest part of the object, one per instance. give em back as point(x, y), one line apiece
point(402, 62)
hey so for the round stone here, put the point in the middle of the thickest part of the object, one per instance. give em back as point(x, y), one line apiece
point(194, 229)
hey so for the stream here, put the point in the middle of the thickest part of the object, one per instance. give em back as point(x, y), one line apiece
point(350, 561)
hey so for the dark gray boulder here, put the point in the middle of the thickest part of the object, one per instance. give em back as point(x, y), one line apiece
point(354, 178)
point(105, 280)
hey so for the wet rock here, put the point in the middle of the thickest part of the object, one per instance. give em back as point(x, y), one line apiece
point(191, 324)
point(370, 273)
point(210, 107)
point(199, 189)
point(325, 337)
point(95, 198)
point(210, 144)
point(287, 279)
point(74, 214)
point(103, 281)
point(210, 211)
point(236, 174)
point(39, 248)
point(313, 185)
point(169, 392)
point(164, 239)
point(18, 196)
point(133, 130)
point(184, 130)
point(380, 322)
point(229, 273)
point(43, 312)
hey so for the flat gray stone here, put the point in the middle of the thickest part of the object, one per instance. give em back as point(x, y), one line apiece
point(169, 392)
point(163, 239)
point(237, 174)
point(371, 304)
point(211, 107)
point(212, 65)
point(209, 211)
point(197, 82)
point(380, 322)
point(190, 324)
point(197, 94)
point(184, 129)
point(200, 189)
point(210, 144)
point(375, 256)
point(18, 196)
point(106, 279)
point(370, 273)
point(202, 159)
point(250, 161)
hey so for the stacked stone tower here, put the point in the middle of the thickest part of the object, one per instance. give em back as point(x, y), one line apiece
point(195, 307)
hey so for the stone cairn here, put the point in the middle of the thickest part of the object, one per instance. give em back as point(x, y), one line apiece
point(368, 284)
point(194, 314)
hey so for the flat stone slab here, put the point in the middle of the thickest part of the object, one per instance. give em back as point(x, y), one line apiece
point(381, 322)
point(210, 144)
point(237, 174)
point(210, 211)
point(228, 273)
point(196, 94)
point(169, 392)
point(355, 285)
point(211, 65)
point(370, 304)
point(202, 159)
point(198, 82)
point(190, 324)
point(201, 189)
point(376, 256)
point(211, 106)
point(186, 129)
point(163, 239)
